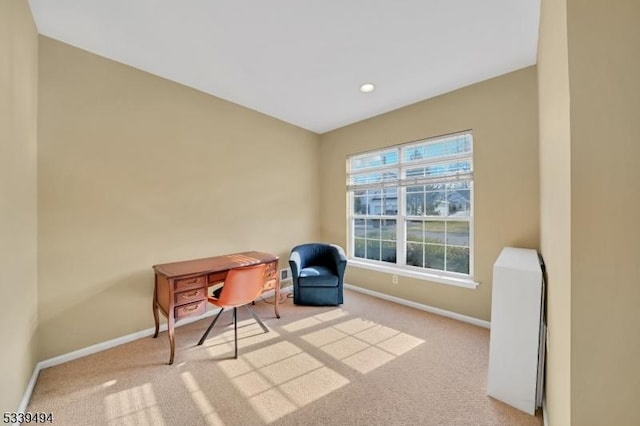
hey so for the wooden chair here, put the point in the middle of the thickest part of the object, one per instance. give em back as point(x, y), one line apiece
point(241, 287)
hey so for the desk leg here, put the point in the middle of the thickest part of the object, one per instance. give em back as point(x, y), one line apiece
point(277, 290)
point(172, 338)
point(155, 307)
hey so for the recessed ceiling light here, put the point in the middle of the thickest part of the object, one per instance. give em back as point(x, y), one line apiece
point(367, 87)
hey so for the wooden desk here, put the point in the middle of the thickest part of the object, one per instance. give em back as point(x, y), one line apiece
point(181, 287)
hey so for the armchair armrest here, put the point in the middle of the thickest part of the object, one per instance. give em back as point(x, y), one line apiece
point(339, 258)
point(296, 264)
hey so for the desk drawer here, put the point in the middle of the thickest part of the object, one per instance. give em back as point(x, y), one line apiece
point(189, 283)
point(269, 285)
point(190, 296)
point(195, 308)
point(271, 268)
point(217, 277)
point(270, 274)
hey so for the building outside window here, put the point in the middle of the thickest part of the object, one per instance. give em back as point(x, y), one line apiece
point(411, 206)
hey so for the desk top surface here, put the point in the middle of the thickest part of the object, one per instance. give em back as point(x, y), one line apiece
point(213, 264)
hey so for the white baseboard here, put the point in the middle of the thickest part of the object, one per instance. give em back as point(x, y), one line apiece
point(27, 393)
point(116, 342)
point(422, 307)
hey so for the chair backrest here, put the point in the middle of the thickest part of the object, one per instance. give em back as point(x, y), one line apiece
point(315, 254)
point(242, 285)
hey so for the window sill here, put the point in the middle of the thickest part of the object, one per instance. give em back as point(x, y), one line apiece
point(441, 279)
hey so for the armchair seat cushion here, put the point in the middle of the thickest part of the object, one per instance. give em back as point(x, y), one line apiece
point(318, 276)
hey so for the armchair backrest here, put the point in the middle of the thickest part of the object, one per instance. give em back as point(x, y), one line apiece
point(318, 254)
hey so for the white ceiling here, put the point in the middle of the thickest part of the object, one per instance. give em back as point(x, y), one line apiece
point(303, 61)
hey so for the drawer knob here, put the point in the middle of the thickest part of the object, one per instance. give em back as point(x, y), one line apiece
point(190, 295)
point(192, 308)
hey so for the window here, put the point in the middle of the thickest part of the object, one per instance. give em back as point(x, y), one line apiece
point(411, 206)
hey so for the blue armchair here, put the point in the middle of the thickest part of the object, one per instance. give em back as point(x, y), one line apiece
point(318, 274)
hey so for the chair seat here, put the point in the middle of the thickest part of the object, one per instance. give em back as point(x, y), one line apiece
point(318, 276)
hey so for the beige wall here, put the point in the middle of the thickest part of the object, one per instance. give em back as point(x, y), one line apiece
point(604, 75)
point(555, 204)
point(18, 220)
point(502, 112)
point(589, 102)
point(135, 170)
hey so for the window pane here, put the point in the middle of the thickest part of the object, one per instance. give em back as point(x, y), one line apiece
point(458, 144)
point(415, 231)
point(373, 249)
point(358, 228)
point(415, 202)
point(415, 253)
point(414, 153)
point(388, 229)
point(434, 256)
point(358, 247)
point(376, 159)
point(373, 228)
point(448, 169)
point(389, 251)
point(458, 233)
point(373, 177)
point(436, 203)
point(359, 202)
point(458, 259)
point(374, 201)
point(434, 232)
point(390, 201)
point(415, 172)
point(459, 199)
point(437, 171)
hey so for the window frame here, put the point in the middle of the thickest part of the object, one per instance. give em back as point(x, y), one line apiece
point(402, 218)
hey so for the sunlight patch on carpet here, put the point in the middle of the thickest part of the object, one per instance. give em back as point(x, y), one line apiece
point(200, 399)
point(313, 386)
point(324, 336)
point(361, 344)
point(376, 334)
point(301, 324)
point(355, 325)
point(368, 360)
point(136, 405)
point(280, 378)
point(400, 344)
point(249, 333)
point(289, 369)
point(252, 383)
point(344, 347)
point(272, 405)
point(315, 320)
point(276, 352)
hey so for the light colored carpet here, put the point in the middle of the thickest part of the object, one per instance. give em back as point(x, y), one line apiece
point(367, 362)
